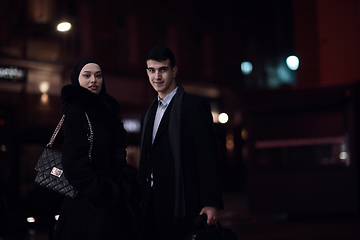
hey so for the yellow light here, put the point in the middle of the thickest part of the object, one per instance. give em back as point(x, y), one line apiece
point(64, 26)
point(244, 134)
point(44, 98)
point(44, 87)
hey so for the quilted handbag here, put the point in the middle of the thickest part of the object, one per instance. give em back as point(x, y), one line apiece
point(201, 231)
point(49, 168)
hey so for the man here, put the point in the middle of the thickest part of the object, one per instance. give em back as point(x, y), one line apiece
point(179, 165)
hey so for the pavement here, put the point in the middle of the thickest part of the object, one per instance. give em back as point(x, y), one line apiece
point(251, 227)
point(283, 227)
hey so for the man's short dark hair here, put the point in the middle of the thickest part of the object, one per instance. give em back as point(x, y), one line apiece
point(161, 53)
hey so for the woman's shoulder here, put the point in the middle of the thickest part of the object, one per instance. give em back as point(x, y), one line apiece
point(73, 109)
point(78, 97)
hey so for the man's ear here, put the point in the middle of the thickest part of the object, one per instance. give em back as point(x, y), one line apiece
point(174, 70)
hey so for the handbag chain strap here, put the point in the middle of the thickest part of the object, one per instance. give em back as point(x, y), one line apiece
point(57, 129)
point(91, 137)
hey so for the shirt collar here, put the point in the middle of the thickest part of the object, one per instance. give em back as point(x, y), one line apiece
point(168, 98)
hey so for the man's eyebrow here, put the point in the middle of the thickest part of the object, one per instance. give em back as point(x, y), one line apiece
point(158, 68)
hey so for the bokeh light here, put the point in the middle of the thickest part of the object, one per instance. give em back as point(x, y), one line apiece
point(292, 62)
point(63, 26)
point(246, 68)
point(223, 118)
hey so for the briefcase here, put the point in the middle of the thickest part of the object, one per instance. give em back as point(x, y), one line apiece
point(201, 231)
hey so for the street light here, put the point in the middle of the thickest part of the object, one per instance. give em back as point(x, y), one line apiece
point(223, 118)
point(292, 62)
point(63, 26)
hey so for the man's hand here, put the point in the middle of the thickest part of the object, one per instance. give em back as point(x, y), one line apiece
point(212, 214)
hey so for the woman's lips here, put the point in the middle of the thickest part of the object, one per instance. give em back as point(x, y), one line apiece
point(93, 87)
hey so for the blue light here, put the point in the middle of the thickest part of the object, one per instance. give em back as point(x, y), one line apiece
point(246, 67)
point(292, 62)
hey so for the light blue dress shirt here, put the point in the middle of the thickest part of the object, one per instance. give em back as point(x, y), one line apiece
point(162, 105)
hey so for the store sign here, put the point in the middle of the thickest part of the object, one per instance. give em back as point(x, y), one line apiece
point(12, 73)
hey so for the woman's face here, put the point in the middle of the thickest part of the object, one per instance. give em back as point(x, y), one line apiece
point(91, 78)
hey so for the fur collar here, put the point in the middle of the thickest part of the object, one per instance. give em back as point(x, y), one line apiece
point(104, 107)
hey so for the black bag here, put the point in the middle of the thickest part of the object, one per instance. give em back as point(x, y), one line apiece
point(49, 168)
point(201, 231)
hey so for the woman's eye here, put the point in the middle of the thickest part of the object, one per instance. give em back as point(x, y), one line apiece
point(98, 76)
point(86, 75)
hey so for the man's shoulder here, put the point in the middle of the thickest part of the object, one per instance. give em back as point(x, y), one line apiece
point(194, 103)
point(192, 98)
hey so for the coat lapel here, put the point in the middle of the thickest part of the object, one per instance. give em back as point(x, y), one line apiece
point(164, 121)
point(148, 122)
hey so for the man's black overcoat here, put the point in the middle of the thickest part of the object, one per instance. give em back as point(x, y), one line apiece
point(199, 161)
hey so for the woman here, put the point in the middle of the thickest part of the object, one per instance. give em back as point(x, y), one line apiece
point(102, 208)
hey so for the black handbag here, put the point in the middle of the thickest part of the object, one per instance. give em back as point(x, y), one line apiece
point(201, 231)
point(49, 168)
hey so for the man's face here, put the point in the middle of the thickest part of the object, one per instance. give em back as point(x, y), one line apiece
point(161, 77)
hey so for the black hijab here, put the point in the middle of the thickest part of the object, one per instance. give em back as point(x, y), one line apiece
point(76, 72)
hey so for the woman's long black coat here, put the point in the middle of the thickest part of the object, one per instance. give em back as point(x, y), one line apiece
point(101, 209)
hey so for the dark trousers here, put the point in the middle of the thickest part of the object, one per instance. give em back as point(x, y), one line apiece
point(150, 227)
point(151, 230)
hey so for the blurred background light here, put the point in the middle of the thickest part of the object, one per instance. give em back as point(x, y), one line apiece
point(284, 74)
point(30, 220)
point(63, 26)
point(223, 118)
point(215, 116)
point(44, 87)
point(343, 155)
point(230, 141)
point(131, 125)
point(3, 148)
point(244, 134)
point(11, 73)
point(44, 98)
point(246, 68)
point(292, 62)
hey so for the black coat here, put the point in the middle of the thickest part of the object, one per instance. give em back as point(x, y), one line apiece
point(199, 162)
point(101, 209)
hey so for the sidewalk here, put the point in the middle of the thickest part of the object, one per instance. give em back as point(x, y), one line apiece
point(236, 217)
point(247, 227)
